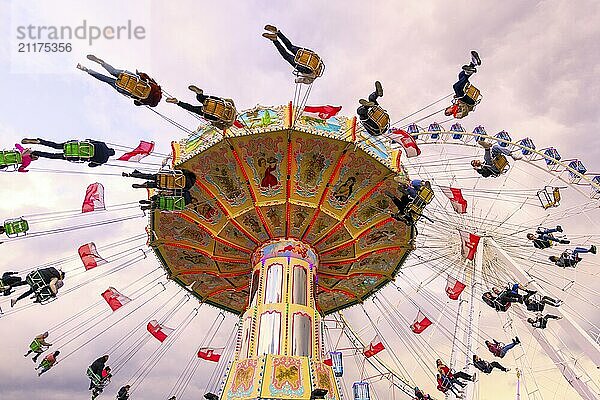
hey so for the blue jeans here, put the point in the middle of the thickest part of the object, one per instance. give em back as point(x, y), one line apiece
point(580, 250)
point(111, 80)
point(506, 348)
point(459, 87)
point(490, 154)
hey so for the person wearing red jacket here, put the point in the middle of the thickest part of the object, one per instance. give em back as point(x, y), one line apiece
point(500, 349)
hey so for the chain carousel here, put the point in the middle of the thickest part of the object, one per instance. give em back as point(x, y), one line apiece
point(287, 224)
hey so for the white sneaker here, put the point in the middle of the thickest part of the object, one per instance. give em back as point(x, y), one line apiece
point(516, 155)
point(304, 79)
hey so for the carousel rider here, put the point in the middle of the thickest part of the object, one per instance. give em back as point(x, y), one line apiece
point(154, 96)
point(289, 52)
point(53, 279)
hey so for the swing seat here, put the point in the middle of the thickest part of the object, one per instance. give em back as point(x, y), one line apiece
point(10, 158)
point(41, 289)
point(45, 364)
point(380, 118)
point(95, 378)
point(78, 151)
point(472, 92)
point(170, 180)
point(501, 163)
point(133, 85)
point(549, 198)
point(171, 203)
point(37, 347)
point(309, 59)
point(416, 207)
point(223, 110)
point(16, 227)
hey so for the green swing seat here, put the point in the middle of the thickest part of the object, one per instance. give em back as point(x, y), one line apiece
point(171, 203)
point(16, 227)
point(78, 151)
point(10, 158)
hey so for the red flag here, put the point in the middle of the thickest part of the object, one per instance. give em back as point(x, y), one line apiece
point(328, 361)
point(374, 347)
point(159, 331)
point(454, 288)
point(238, 124)
point(144, 149)
point(115, 299)
point(321, 112)
point(94, 198)
point(420, 323)
point(209, 354)
point(90, 257)
point(469, 242)
point(406, 141)
point(456, 199)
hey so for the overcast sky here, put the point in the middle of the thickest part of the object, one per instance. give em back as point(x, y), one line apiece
point(540, 78)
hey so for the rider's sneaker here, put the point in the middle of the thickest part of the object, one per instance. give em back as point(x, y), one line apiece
point(30, 141)
point(195, 89)
point(469, 69)
point(475, 59)
point(13, 302)
point(270, 36)
point(366, 103)
point(271, 28)
point(593, 249)
point(378, 88)
point(559, 228)
point(95, 59)
point(484, 144)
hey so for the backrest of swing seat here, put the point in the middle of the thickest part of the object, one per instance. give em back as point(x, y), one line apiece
point(425, 194)
point(10, 157)
point(80, 150)
point(93, 376)
point(309, 59)
point(133, 85)
point(500, 162)
point(556, 195)
point(171, 203)
point(218, 108)
point(16, 227)
point(35, 280)
point(35, 346)
point(472, 92)
point(379, 116)
point(170, 180)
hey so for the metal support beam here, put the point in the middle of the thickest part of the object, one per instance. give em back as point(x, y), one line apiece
point(575, 332)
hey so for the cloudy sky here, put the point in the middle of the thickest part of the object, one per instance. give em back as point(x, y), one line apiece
point(540, 78)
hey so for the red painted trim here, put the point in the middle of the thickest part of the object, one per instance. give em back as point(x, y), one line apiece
point(213, 236)
point(252, 194)
point(224, 210)
point(324, 195)
point(349, 212)
point(288, 189)
point(290, 114)
point(349, 294)
point(218, 274)
point(341, 246)
point(206, 253)
point(378, 251)
point(354, 129)
point(216, 292)
point(346, 277)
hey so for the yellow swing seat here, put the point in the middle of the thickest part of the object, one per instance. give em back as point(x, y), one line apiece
point(133, 85)
point(379, 117)
point(170, 180)
point(223, 110)
point(424, 196)
point(501, 163)
point(311, 60)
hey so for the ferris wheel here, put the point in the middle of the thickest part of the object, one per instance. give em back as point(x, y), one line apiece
point(287, 220)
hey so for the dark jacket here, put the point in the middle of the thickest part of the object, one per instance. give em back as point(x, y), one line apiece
point(101, 153)
point(97, 366)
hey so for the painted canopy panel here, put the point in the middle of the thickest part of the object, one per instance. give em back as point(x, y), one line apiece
point(260, 181)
